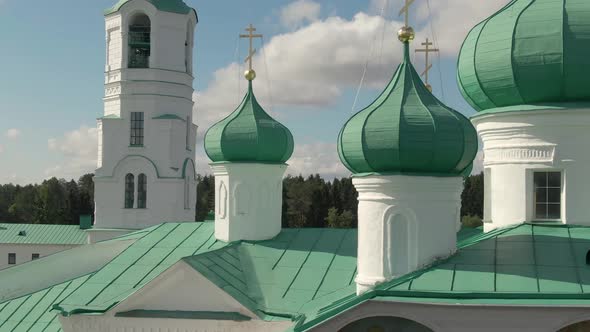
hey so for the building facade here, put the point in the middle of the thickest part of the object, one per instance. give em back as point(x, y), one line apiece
point(146, 168)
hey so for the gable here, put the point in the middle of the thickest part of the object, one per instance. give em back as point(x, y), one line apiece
point(181, 289)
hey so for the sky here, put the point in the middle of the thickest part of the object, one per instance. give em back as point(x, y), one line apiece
point(310, 66)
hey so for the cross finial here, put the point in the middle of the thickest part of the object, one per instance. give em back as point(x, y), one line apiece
point(427, 50)
point(250, 74)
point(406, 11)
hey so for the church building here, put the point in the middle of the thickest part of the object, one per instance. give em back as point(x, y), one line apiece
point(408, 267)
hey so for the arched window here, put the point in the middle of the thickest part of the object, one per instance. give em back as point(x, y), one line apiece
point(129, 190)
point(139, 41)
point(141, 191)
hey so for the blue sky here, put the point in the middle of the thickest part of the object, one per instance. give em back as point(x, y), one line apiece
point(52, 61)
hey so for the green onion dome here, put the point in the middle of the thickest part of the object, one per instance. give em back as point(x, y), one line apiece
point(249, 134)
point(409, 131)
point(530, 52)
point(171, 6)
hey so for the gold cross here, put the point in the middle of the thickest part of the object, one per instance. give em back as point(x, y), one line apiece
point(427, 50)
point(406, 10)
point(252, 50)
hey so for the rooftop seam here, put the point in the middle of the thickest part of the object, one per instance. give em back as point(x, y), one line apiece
point(128, 267)
point(573, 252)
point(47, 291)
point(287, 248)
point(535, 257)
point(329, 265)
point(202, 244)
point(15, 310)
point(303, 263)
point(165, 257)
point(49, 307)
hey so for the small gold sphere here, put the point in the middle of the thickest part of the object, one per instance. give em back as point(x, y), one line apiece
point(250, 75)
point(405, 34)
point(429, 87)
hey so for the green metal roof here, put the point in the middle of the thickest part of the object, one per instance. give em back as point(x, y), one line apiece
point(172, 6)
point(520, 265)
point(33, 312)
point(307, 275)
point(169, 117)
point(249, 134)
point(149, 256)
point(505, 58)
point(407, 130)
point(298, 270)
point(28, 291)
point(42, 234)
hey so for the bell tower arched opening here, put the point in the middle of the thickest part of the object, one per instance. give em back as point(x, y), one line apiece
point(139, 41)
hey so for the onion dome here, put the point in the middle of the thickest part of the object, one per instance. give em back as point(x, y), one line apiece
point(530, 52)
point(249, 134)
point(171, 6)
point(408, 131)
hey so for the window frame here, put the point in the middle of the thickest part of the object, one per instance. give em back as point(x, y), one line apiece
point(129, 197)
point(11, 258)
point(35, 256)
point(142, 191)
point(137, 129)
point(139, 42)
point(547, 187)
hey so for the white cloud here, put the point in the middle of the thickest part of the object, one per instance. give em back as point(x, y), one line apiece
point(79, 149)
point(299, 12)
point(321, 158)
point(12, 133)
point(1, 148)
point(452, 19)
point(329, 56)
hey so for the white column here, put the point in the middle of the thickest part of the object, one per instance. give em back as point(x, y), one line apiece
point(404, 223)
point(249, 200)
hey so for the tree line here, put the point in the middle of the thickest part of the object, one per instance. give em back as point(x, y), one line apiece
point(307, 201)
point(55, 201)
point(315, 202)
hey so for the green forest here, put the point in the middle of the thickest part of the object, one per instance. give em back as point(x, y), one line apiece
point(307, 201)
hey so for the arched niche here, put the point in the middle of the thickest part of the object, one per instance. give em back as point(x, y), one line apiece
point(399, 242)
point(222, 201)
point(385, 324)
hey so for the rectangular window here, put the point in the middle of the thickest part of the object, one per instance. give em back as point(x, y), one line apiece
point(547, 195)
point(11, 258)
point(137, 128)
point(34, 256)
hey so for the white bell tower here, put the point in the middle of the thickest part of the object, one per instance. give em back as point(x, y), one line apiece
point(146, 170)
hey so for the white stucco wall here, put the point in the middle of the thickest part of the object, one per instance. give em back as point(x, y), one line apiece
point(165, 88)
point(466, 318)
point(404, 223)
point(24, 252)
point(249, 200)
point(516, 144)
